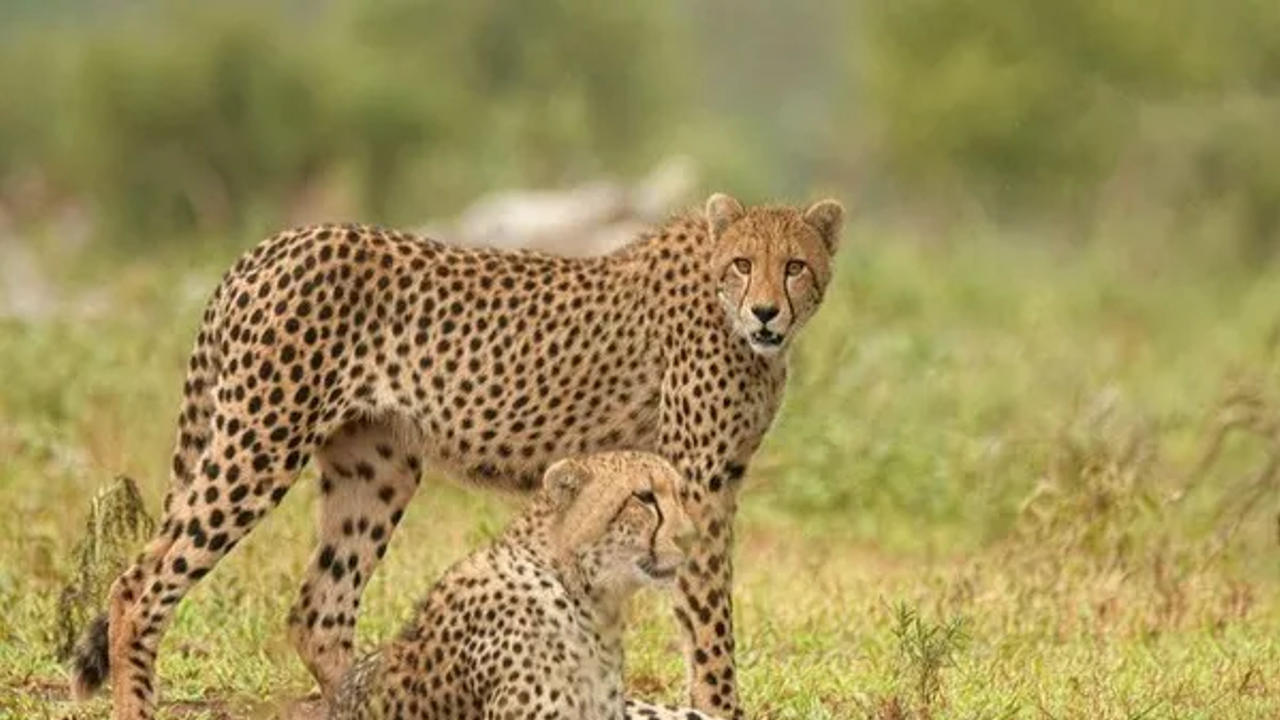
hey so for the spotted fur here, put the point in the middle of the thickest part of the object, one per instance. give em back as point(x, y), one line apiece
point(375, 353)
point(531, 626)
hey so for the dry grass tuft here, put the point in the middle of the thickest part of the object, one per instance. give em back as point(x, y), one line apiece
point(118, 522)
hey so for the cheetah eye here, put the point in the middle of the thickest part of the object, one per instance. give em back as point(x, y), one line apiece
point(794, 268)
point(646, 497)
point(742, 265)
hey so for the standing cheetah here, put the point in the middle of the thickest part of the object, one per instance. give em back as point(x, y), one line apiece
point(531, 626)
point(376, 353)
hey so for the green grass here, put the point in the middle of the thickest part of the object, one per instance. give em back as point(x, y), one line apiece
point(996, 490)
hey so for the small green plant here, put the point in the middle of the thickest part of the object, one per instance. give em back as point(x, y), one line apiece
point(926, 649)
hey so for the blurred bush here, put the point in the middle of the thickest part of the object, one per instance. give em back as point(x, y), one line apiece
point(1032, 107)
point(176, 119)
point(1098, 118)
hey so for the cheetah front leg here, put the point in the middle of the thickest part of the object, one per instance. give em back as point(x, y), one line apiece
point(711, 427)
point(703, 601)
point(710, 453)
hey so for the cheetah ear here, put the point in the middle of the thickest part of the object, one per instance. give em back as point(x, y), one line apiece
point(826, 216)
point(563, 482)
point(722, 211)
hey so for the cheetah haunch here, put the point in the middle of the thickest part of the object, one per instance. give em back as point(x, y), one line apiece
point(376, 353)
point(531, 626)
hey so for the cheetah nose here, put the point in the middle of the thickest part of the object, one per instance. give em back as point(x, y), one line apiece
point(765, 313)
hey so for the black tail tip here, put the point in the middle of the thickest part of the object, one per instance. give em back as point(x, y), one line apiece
point(89, 661)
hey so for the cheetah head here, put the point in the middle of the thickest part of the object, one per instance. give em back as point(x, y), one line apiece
point(772, 265)
point(620, 517)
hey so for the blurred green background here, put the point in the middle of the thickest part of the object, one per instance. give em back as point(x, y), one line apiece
point(1042, 394)
point(1048, 202)
point(165, 120)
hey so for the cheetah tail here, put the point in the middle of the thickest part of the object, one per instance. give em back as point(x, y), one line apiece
point(89, 660)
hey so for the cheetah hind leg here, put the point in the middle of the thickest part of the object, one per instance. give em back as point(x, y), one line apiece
point(203, 521)
point(369, 470)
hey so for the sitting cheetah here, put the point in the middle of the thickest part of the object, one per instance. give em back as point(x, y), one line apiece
point(376, 353)
point(531, 627)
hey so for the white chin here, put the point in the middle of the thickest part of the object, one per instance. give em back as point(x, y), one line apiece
point(763, 349)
